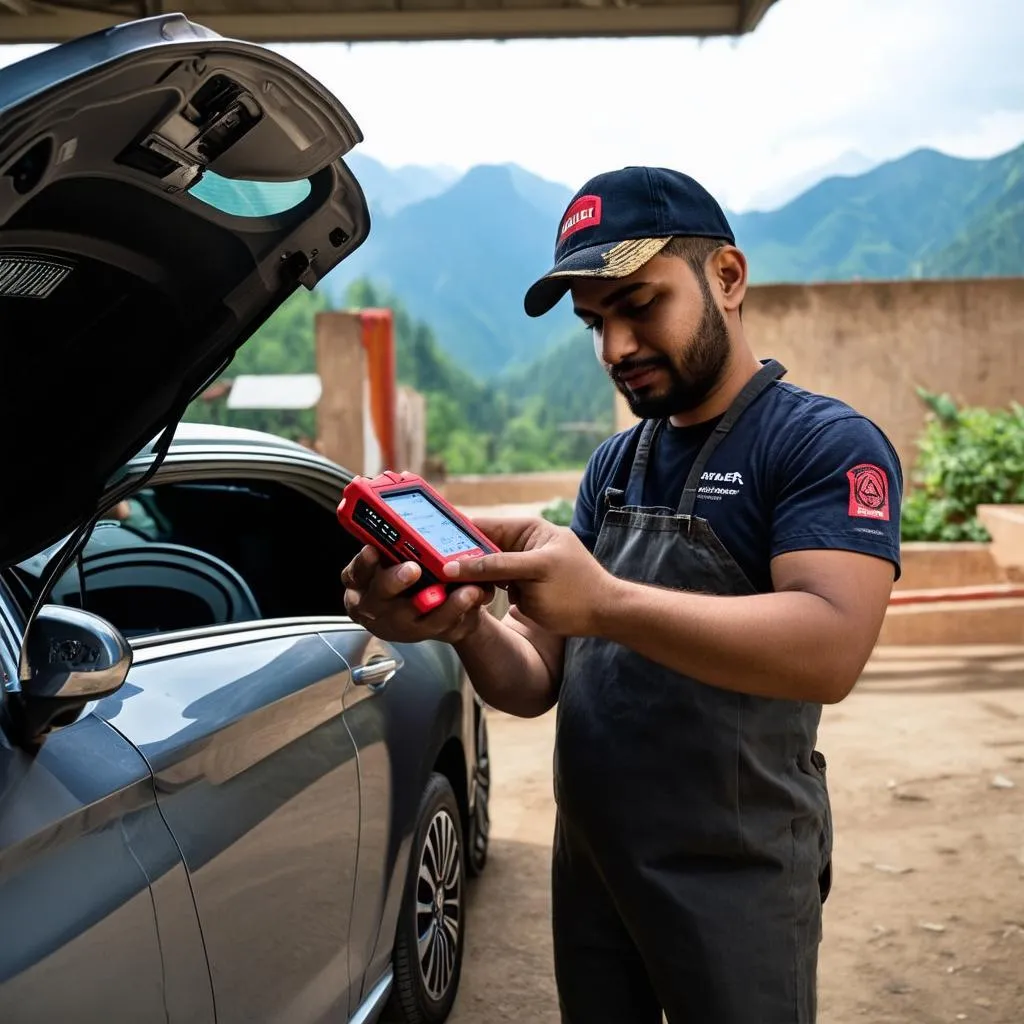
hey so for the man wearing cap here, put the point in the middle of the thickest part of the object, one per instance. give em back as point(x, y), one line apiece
point(726, 574)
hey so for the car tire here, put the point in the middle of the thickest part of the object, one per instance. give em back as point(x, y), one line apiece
point(480, 820)
point(431, 933)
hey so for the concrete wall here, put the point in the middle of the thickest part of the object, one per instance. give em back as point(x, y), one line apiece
point(511, 488)
point(873, 343)
point(870, 344)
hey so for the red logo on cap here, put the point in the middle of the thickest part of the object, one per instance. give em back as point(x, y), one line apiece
point(584, 213)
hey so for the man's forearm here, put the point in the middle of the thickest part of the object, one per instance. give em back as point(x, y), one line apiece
point(506, 670)
point(788, 645)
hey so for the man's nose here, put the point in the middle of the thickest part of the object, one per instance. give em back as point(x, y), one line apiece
point(617, 342)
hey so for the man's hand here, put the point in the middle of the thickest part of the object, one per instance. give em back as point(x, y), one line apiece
point(376, 598)
point(808, 639)
point(552, 578)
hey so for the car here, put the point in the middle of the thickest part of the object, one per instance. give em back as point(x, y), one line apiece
point(220, 798)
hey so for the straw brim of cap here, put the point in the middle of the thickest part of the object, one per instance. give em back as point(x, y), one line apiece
point(620, 260)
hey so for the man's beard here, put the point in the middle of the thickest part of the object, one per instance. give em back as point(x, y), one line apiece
point(705, 358)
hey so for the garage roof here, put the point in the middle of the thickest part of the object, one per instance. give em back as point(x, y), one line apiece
point(275, 391)
point(26, 21)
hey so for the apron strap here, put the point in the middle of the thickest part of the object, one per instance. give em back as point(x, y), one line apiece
point(770, 371)
point(632, 470)
point(642, 457)
point(615, 487)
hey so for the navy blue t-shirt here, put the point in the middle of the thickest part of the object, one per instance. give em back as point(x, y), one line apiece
point(797, 471)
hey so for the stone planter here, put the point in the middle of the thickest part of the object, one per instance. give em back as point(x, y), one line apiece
point(1005, 524)
point(927, 565)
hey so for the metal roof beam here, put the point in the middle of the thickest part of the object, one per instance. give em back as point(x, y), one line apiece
point(708, 19)
point(19, 7)
point(750, 14)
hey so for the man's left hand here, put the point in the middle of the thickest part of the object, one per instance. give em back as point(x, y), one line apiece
point(552, 578)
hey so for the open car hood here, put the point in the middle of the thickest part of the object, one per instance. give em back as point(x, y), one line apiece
point(123, 294)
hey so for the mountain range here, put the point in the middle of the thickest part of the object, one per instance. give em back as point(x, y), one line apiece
point(389, 189)
point(460, 250)
point(847, 164)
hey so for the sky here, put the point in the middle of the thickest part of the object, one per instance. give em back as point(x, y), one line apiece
point(817, 80)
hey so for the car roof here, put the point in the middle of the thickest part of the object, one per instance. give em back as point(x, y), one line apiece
point(206, 434)
point(209, 441)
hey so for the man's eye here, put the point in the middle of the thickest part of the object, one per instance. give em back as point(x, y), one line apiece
point(638, 311)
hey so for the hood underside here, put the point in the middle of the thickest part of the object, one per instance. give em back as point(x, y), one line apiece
point(122, 294)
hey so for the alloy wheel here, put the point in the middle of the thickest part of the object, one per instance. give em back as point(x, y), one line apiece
point(439, 904)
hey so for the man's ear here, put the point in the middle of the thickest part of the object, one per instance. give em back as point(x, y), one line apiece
point(728, 272)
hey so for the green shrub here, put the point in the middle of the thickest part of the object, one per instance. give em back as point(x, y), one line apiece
point(558, 512)
point(967, 457)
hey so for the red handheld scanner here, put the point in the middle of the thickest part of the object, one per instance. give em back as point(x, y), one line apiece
point(406, 520)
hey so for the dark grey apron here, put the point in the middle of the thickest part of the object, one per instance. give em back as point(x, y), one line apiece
point(693, 845)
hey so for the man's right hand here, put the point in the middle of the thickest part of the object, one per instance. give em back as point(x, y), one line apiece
point(376, 598)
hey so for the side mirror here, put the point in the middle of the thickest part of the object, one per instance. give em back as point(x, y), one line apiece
point(69, 658)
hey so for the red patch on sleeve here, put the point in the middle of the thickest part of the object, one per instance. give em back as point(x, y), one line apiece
point(869, 492)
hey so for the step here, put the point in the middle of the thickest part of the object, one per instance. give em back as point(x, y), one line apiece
point(933, 564)
point(937, 595)
point(993, 619)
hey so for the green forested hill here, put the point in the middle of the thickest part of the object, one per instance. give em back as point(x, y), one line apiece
point(914, 217)
point(992, 240)
point(550, 414)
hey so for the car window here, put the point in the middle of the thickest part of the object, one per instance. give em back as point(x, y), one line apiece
point(186, 555)
point(243, 198)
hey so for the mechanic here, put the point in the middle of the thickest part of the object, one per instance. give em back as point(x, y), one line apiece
point(726, 574)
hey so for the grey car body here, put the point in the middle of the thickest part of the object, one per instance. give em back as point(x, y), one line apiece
point(220, 799)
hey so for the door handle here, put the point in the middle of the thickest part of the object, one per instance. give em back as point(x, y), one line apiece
point(376, 672)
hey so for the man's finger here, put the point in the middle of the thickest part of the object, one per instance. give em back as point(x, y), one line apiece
point(505, 533)
point(353, 600)
point(449, 615)
point(394, 580)
point(500, 568)
point(358, 573)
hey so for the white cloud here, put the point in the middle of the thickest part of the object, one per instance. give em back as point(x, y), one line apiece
point(814, 81)
point(817, 79)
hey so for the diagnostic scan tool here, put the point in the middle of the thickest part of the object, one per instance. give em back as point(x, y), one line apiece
point(406, 520)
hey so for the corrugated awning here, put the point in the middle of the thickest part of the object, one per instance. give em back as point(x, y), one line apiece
point(24, 21)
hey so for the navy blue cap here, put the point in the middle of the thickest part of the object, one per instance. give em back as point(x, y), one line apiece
point(620, 219)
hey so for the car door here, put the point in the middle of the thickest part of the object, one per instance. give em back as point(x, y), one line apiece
point(374, 664)
point(280, 532)
point(271, 759)
point(97, 917)
point(256, 776)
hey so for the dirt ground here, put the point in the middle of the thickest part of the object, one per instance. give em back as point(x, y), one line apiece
point(925, 922)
